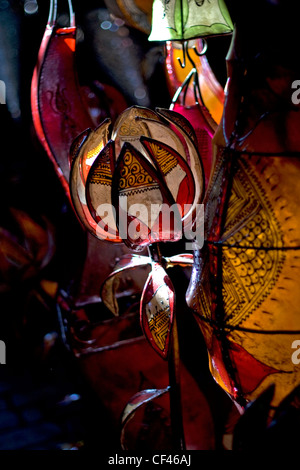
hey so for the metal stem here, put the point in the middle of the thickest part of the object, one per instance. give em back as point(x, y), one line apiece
point(175, 391)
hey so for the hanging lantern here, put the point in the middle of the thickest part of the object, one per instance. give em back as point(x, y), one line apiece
point(179, 20)
point(199, 96)
point(143, 160)
point(244, 288)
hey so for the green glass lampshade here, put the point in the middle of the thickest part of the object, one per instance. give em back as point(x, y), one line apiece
point(179, 20)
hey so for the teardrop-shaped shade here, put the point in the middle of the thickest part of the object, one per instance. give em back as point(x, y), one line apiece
point(128, 129)
point(59, 111)
point(145, 209)
point(98, 192)
point(175, 172)
point(186, 19)
point(157, 310)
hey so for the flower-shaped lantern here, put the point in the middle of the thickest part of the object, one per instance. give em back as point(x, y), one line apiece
point(140, 183)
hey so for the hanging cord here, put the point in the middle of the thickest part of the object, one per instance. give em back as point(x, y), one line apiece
point(52, 18)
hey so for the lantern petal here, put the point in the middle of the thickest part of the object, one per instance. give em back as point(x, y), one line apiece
point(162, 132)
point(98, 193)
point(174, 170)
point(135, 403)
point(145, 209)
point(128, 129)
point(77, 191)
point(157, 310)
point(88, 149)
point(212, 92)
point(95, 142)
point(188, 150)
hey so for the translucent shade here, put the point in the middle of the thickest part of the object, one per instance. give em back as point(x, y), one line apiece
point(186, 19)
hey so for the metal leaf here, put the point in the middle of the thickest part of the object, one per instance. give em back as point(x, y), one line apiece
point(110, 285)
point(157, 310)
point(138, 400)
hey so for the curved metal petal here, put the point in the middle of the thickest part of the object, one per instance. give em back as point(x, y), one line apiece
point(157, 310)
point(110, 285)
